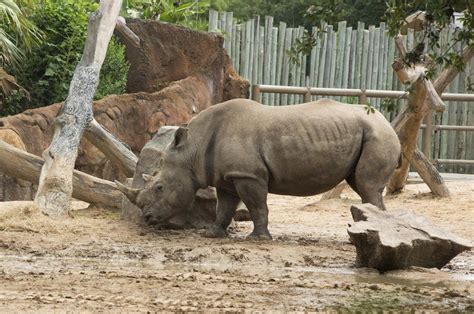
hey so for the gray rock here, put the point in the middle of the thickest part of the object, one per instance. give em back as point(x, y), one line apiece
point(387, 240)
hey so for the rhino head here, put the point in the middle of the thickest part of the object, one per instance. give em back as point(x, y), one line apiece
point(171, 191)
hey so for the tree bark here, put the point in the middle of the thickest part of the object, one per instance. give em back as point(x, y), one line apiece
point(115, 150)
point(20, 164)
point(127, 33)
point(408, 133)
point(428, 173)
point(55, 184)
point(407, 124)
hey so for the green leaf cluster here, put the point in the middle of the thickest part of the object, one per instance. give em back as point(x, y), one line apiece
point(189, 13)
point(439, 14)
point(48, 68)
point(15, 31)
point(306, 13)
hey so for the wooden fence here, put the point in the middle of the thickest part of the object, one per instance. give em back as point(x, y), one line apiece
point(348, 57)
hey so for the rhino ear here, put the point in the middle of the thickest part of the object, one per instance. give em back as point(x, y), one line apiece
point(180, 136)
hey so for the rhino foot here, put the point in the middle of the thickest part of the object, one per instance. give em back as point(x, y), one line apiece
point(260, 235)
point(215, 232)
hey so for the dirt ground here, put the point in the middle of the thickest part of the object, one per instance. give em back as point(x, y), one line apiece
point(98, 262)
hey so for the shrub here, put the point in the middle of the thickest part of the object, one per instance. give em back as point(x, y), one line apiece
point(48, 69)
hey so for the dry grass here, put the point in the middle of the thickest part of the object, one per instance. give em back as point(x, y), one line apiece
point(24, 216)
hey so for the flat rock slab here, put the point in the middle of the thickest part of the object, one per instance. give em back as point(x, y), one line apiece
point(398, 239)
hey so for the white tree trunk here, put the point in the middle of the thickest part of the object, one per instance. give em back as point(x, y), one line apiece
point(55, 184)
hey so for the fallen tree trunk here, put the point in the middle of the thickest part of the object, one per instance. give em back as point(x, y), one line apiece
point(20, 164)
point(55, 184)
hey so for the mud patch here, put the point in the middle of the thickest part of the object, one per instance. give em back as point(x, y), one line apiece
point(97, 262)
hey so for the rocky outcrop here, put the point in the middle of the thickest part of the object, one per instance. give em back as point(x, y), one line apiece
point(168, 53)
point(174, 74)
point(400, 239)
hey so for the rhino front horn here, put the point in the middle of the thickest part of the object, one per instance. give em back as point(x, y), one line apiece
point(131, 193)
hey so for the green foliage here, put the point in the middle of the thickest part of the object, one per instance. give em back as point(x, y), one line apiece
point(188, 13)
point(15, 31)
point(304, 12)
point(290, 12)
point(113, 75)
point(14, 103)
point(48, 68)
point(389, 105)
point(439, 15)
point(369, 108)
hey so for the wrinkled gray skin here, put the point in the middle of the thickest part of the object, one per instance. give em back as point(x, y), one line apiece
point(247, 150)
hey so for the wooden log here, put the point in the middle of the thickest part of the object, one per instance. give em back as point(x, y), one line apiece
point(126, 32)
point(428, 173)
point(114, 149)
point(335, 192)
point(20, 164)
point(55, 184)
point(388, 240)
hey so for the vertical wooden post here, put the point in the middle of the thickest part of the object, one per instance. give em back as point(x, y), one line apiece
point(363, 98)
point(256, 95)
point(213, 17)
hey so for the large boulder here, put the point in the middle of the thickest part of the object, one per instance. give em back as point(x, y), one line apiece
point(168, 53)
point(400, 239)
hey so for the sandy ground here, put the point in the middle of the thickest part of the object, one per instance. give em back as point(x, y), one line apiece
point(97, 262)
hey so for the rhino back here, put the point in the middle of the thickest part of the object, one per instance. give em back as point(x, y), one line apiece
point(299, 150)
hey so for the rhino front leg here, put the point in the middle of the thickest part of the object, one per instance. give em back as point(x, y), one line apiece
point(254, 196)
point(226, 206)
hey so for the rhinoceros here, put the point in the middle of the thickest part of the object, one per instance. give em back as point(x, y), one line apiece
point(247, 150)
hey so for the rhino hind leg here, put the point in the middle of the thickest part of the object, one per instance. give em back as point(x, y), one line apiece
point(226, 206)
point(254, 196)
point(372, 173)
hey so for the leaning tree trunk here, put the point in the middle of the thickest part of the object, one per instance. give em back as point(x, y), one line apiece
point(55, 184)
point(412, 155)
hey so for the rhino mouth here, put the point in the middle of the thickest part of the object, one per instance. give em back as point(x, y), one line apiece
point(152, 219)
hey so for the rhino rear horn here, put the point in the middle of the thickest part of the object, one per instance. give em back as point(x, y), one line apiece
point(129, 192)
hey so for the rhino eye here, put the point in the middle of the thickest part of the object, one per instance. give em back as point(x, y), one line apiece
point(159, 187)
